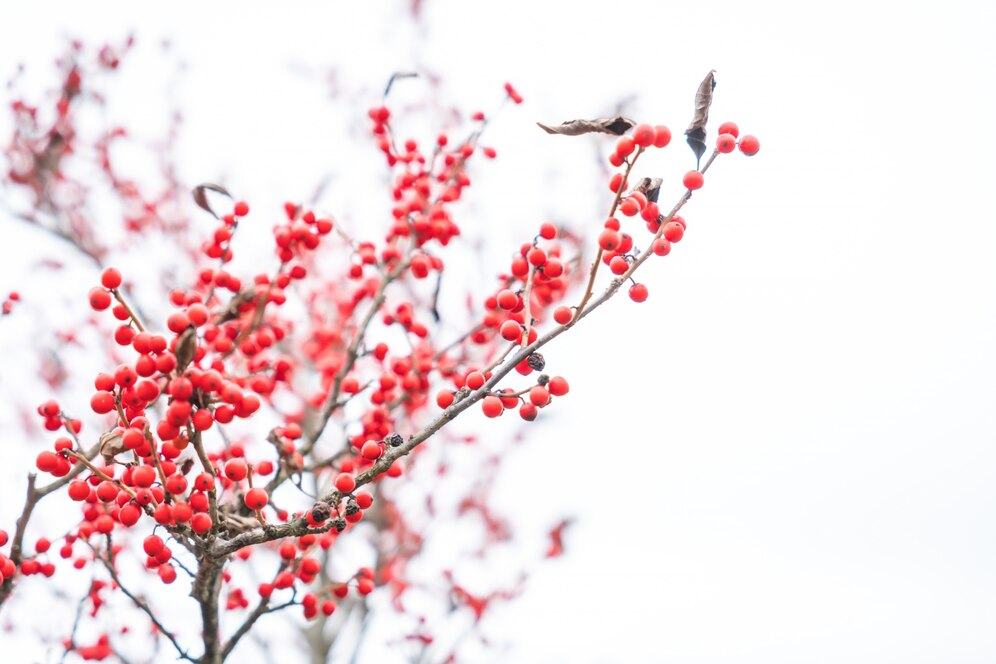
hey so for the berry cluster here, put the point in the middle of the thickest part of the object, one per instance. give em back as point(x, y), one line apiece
point(212, 415)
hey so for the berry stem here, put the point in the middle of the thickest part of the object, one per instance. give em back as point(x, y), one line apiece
point(139, 603)
point(589, 289)
point(526, 312)
point(131, 312)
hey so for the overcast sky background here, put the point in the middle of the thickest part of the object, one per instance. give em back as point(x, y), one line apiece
point(811, 382)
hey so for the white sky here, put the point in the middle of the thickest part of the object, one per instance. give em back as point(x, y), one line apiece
point(811, 383)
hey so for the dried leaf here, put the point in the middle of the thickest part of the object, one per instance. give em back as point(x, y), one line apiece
point(696, 132)
point(111, 444)
point(234, 308)
point(649, 187)
point(186, 348)
point(395, 76)
point(616, 126)
point(200, 196)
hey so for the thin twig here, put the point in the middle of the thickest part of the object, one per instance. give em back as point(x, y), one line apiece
point(142, 605)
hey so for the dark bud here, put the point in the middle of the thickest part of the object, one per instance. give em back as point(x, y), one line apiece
point(320, 511)
point(536, 362)
point(352, 508)
point(339, 524)
point(543, 379)
point(395, 440)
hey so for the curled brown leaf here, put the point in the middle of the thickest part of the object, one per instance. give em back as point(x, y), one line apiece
point(696, 132)
point(200, 196)
point(649, 187)
point(616, 126)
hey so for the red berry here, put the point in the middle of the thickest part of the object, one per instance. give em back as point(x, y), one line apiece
point(662, 136)
point(539, 395)
point(176, 484)
point(609, 240)
point(563, 315)
point(644, 135)
point(201, 523)
point(729, 128)
point(625, 146)
point(129, 515)
point(673, 231)
point(178, 322)
point(167, 573)
point(236, 470)
point(110, 278)
point(492, 406)
point(638, 292)
point(364, 500)
point(153, 545)
point(102, 402)
point(536, 257)
point(629, 207)
point(79, 490)
point(371, 450)
point(513, 94)
point(616, 183)
point(548, 231)
point(475, 380)
point(618, 265)
point(202, 419)
point(651, 211)
point(507, 300)
point(558, 386)
point(345, 482)
point(143, 476)
point(528, 412)
point(444, 399)
point(241, 209)
point(661, 246)
point(511, 331)
point(749, 145)
point(693, 180)
point(256, 499)
point(47, 461)
point(100, 299)
point(726, 143)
